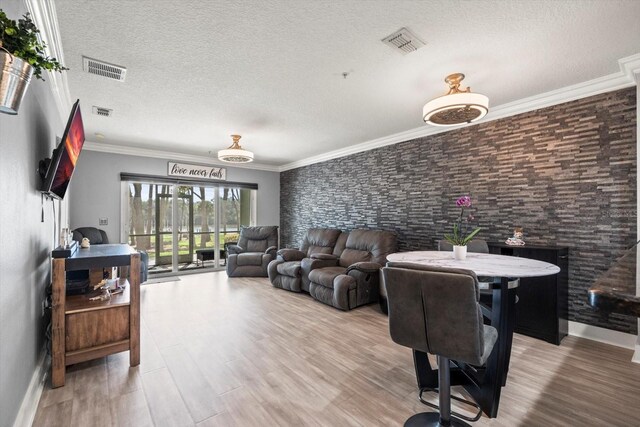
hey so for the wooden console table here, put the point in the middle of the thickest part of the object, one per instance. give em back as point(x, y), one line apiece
point(83, 329)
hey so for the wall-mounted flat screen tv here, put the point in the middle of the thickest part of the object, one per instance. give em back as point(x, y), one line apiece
point(65, 156)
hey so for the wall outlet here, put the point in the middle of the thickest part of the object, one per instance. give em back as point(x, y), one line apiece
point(103, 221)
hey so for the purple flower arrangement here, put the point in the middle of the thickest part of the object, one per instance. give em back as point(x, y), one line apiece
point(461, 235)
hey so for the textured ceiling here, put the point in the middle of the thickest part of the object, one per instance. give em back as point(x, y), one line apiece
point(271, 71)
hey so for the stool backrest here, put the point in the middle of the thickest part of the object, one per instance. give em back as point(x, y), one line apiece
point(435, 310)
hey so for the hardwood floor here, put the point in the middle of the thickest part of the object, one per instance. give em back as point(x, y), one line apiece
point(238, 352)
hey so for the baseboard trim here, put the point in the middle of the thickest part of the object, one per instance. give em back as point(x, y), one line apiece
point(636, 355)
point(607, 336)
point(29, 406)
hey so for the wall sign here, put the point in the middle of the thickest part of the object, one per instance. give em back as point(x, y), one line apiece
point(196, 171)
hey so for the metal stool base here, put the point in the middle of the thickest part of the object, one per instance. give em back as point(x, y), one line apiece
point(432, 419)
point(476, 417)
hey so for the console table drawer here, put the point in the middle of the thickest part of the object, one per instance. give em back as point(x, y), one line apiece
point(98, 327)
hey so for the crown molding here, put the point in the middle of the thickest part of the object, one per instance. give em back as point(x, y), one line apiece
point(170, 155)
point(43, 13)
point(629, 68)
point(630, 65)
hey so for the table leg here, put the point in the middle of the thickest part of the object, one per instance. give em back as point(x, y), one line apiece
point(511, 323)
point(134, 311)
point(58, 340)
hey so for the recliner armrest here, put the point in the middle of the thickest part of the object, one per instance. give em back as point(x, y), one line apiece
point(234, 249)
point(309, 264)
point(324, 257)
point(291, 255)
point(365, 267)
point(272, 250)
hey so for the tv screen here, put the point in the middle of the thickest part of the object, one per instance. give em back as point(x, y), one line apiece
point(65, 156)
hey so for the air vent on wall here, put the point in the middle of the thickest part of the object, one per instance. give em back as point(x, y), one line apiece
point(101, 111)
point(104, 69)
point(403, 41)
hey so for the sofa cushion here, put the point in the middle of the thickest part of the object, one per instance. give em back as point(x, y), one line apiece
point(325, 276)
point(320, 240)
point(250, 258)
point(290, 268)
point(258, 239)
point(256, 245)
point(368, 246)
point(351, 256)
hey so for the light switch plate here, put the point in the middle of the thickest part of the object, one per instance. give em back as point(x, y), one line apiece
point(103, 221)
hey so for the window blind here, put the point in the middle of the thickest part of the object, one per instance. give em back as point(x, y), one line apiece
point(155, 179)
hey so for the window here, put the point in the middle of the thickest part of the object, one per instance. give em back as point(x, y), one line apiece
point(184, 226)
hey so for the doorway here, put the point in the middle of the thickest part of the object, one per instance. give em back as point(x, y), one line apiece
point(185, 226)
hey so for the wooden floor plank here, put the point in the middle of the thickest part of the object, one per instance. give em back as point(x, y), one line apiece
point(165, 403)
point(131, 410)
point(122, 378)
point(54, 415)
point(238, 352)
point(201, 400)
point(91, 394)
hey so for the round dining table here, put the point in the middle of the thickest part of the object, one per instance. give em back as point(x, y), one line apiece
point(482, 264)
point(483, 383)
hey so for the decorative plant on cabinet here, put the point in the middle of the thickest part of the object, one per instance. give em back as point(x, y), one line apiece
point(22, 55)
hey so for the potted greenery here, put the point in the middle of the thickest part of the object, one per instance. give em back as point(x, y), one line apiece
point(461, 233)
point(22, 55)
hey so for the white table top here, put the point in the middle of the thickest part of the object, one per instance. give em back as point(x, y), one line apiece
point(482, 264)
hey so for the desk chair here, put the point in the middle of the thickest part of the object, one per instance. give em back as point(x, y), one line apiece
point(436, 310)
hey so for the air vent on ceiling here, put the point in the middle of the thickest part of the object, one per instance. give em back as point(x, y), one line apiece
point(403, 41)
point(104, 69)
point(101, 111)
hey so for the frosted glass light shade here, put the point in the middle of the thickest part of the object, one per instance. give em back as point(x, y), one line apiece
point(235, 155)
point(455, 109)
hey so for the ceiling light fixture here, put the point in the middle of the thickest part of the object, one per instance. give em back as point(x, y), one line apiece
point(457, 106)
point(235, 153)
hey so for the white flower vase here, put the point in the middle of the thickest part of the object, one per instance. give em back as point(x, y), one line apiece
point(460, 252)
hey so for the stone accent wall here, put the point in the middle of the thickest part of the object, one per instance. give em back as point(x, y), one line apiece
point(565, 173)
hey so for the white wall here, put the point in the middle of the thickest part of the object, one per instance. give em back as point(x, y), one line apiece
point(25, 241)
point(95, 189)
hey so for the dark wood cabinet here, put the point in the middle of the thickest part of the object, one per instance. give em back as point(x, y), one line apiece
point(82, 329)
point(542, 308)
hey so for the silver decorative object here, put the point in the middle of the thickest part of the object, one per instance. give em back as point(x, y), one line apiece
point(15, 75)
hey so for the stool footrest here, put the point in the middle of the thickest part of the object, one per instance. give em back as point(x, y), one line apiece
point(459, 399)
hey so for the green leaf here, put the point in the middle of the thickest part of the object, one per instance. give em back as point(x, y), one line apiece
point(471, 235)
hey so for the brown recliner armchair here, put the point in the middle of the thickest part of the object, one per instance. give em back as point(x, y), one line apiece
point(353, 279)
point(256, 248)
point(285, 271)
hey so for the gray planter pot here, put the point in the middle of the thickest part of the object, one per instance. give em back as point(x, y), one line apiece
point(15, 75)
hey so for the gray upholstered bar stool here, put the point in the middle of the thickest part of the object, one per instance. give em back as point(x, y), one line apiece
point(436, 310)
